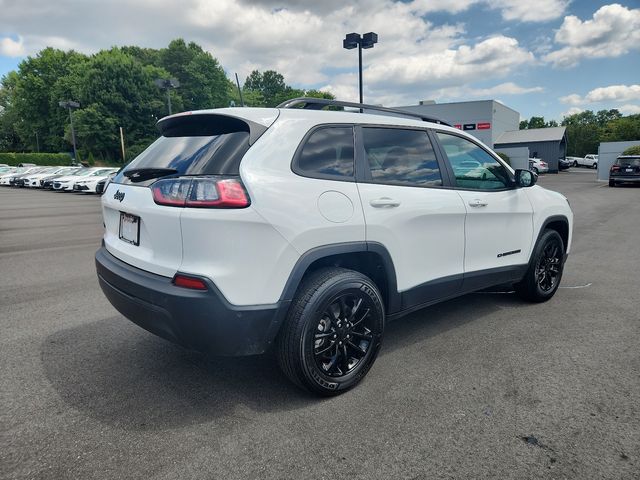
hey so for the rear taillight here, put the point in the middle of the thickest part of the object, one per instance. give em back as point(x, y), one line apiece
point(203, 192)
point(615, 168)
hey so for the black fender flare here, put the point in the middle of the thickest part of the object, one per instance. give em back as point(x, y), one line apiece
point(315, 254)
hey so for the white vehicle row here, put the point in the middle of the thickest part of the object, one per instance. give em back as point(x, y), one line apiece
point(69, 179)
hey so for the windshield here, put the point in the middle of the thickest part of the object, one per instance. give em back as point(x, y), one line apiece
point(81, 173)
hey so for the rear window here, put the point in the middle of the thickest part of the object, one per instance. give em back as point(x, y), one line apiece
point(193, 155)
point(633, 161)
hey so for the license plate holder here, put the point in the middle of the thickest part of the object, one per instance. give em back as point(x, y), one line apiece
point(629, 170)
point(129, 228)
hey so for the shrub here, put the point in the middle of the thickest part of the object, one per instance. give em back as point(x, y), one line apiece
point(504, 157)
point(37, 158)
point(635, 150)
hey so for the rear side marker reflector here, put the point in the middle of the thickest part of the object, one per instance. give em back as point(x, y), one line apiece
point(189, 282)
point(207, 192)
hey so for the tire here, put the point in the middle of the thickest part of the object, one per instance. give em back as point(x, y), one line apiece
point(535, 170)
point(575, 164)
point(595, 166)
point(612, 183)
point(321, 325)
point(547, 259)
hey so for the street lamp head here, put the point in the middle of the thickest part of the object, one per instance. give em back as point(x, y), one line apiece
point(351, 41)
point(167, 83)
point(69, 104)
point(369, 40)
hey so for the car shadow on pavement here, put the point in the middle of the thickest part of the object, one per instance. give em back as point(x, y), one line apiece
point(122, 376)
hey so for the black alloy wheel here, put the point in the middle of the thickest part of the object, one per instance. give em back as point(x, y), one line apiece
point(344, 334)
point(548, 266)
point(544, 273)
point(333, 331)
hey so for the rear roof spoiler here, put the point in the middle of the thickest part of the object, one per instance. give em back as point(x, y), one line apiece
point(207, 124)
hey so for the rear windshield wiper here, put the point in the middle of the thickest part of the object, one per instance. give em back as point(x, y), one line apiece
point(142, 174)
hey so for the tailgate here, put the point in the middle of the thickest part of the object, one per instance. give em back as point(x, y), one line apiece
point(160, 240)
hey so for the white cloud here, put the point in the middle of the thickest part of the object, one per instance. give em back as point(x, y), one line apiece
point(524, 11)
point(302, 39)
point(507, 88)
point(612, 93)
point(572, 111)
point(573, 99)
point(630, 109)
point(616, 93)
point(613, 31)
point(11, 48)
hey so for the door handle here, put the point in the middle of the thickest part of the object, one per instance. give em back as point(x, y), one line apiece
point(478, 203)
point(384, 202)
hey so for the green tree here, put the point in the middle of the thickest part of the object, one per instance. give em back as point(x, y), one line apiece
point(203, 83)
point(270, 85)
point(635, 150)
point(118, 90)
point(536, 122)
point(622, 129)
point(35, 98)
point(583, 133)
point(9, 139)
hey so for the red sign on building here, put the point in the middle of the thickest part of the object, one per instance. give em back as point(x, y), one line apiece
point(484, 126)
point(458, 126)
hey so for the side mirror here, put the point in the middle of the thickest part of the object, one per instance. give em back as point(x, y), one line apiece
point(525, 178)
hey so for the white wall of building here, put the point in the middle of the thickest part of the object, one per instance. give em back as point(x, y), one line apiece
point(518, 156)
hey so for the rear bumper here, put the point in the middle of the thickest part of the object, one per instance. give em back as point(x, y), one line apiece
point(623, 178)
point(201, 320)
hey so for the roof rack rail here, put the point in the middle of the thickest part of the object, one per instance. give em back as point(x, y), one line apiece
point(309, 103)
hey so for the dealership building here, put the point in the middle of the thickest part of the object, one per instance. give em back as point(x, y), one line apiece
point(498, 126)
point(484, 119)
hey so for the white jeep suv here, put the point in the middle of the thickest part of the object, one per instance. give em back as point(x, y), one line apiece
point(245, 228)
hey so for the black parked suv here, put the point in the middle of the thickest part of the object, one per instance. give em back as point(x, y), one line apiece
point(626, 169)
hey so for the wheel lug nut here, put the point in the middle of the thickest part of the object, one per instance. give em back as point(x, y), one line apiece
point(339, 343)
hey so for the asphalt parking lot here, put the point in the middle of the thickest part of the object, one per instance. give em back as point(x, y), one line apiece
point(484, 386)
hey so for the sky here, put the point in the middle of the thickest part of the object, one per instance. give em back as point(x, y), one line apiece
point(544, 58)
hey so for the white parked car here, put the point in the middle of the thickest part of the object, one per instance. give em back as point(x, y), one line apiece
point(539, 166)
point(307, 230)
point(17, 174)
point(66, 183)
point(89, 183)
point(590, 160)
point(33, 181)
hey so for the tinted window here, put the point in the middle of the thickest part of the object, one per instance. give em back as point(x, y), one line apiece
point(328, 152)
point(472, 166)
point(401, 157)
point(193, 155)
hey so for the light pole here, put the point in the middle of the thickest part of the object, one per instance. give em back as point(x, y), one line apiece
point(70, 104)
point(167, 84)
point(353, 40)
